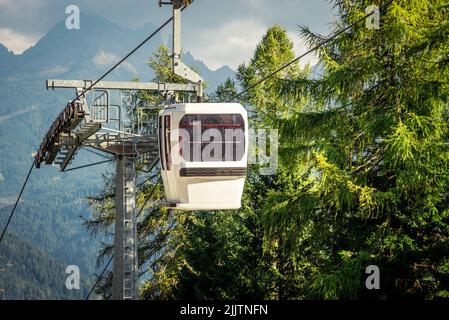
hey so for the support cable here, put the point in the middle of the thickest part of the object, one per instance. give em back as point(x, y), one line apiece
point(318, 46)
point(125, 57)
point(17, 202)
point(95, 152)
point(83, 92)
point(89, 165)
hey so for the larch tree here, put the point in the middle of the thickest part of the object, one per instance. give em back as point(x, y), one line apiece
point(371, 146)
point(265, 107)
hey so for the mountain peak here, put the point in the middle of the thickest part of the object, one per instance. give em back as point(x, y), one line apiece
point(89, 51)
point(6, 58)
point(4, 51)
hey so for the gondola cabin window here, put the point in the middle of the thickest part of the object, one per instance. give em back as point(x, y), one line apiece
point(212, 137)
point(167, 144)
point(160, 140)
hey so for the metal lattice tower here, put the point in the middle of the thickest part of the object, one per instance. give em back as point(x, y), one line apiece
point(85, 122)
point(125, 284)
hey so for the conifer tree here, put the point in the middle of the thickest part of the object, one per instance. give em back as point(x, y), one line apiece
point(373, 137)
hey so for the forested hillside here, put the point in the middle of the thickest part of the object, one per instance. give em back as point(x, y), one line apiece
point(26, 272)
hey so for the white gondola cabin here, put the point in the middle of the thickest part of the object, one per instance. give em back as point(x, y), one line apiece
point(203, 149)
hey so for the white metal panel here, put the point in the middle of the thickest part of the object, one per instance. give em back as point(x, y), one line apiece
point(202, 193)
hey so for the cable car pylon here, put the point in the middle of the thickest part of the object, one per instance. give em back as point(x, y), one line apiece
point(214, 181)
point(86, 122)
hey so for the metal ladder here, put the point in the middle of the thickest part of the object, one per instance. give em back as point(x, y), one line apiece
point(65, 156)
point(130, 242)
point(125, 242)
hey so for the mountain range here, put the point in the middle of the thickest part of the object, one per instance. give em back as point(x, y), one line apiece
point(89, 51)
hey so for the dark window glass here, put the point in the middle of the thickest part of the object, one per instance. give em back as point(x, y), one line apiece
point(161, 142)
point(167, 129)
point(212, 137)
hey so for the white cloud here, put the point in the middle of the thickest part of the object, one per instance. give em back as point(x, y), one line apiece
point(217, 32)
point(230, 44)
point(300, 47)
point(2, 178)
point(235, 42)
point(17, 42)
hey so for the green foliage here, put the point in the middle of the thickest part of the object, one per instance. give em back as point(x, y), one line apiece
point(226, 92)
point(374, 139)
point(362, 177)
point(26, 273)
point(219, 257)
point(274, 51)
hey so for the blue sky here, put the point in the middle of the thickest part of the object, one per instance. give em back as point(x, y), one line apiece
point(217, 32)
